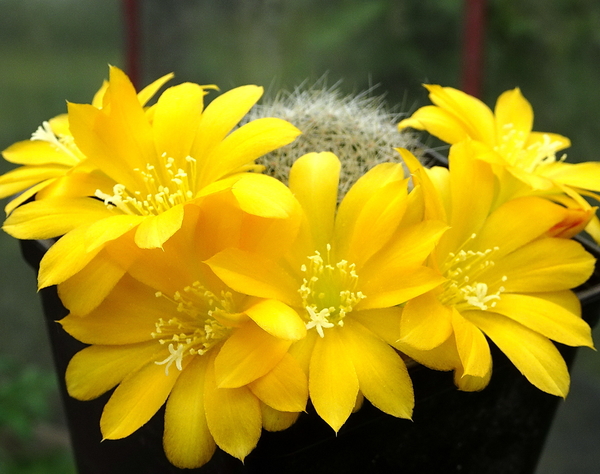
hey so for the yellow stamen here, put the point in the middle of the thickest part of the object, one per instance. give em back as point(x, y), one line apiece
point(328, 291)
point(466, 287)
point(166, 187)
point(198, 326)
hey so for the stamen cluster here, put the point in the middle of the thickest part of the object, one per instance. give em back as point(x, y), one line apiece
point(165, 188)
point(328, 291)
point(198, 329)
point(465, 269)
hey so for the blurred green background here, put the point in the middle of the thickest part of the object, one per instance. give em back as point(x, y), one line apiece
point(57, 50)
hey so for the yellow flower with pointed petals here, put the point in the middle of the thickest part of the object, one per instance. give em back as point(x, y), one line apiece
point(171, 332)
point(157, 162)
point(347, 266)
point(528, 157)
point(505, 279)
point(51, 155)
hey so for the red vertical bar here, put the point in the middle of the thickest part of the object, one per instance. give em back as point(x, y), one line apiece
point(132, 40)
point(473, 47)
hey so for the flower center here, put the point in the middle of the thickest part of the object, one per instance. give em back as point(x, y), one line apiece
point(541, 153)
point(328, 291)
point(165, 187)
point(203, 320)
point(512, 148)
point(465, 288)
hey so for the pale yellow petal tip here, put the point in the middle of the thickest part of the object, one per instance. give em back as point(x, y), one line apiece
point(410, 123)
point(43, 283)
point(212, 87)
point(562, 393)
point(435, 88)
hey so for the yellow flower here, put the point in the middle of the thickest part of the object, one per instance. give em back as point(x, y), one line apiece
point(505, 279)
point(51, 155)
point(157, 162)
point(527, 157)
point(171, 332)
point(345, 268)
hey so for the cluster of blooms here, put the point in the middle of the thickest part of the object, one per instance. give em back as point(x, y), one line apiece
point(235, 299)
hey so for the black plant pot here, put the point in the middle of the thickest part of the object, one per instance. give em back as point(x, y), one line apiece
point(499, 430)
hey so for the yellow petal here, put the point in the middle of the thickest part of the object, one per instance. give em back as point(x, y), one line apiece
point(579, 175)
point(35, 152)
point(470, 383)
point(443, 357)
point(26, 195)
point(80, 181)
point(408, 248)
point(92, 132)
point(547, 316)
point(354, 201)
point(284, 388)
point(275, 420)
point(545, 265)
point(176, 119)
point(529, 218)
point(246, 144)
point(255, 275)
point(96, 369)
point(394, 286)
point(25, 176)
point(302, 350)
point(221, 115)
point(472, 346)
point(98, 98)
point(137, 398)
point(314, 180)
point(438, 122)
point(534, 355)
point(469, 177)
point(271, 237)
point(118, 138)
point(126, 316)
point(50, 218)
point(384, 322)
point(151, 89)
point(434, 183)
point(278, 319)
point(593, 228)
point(382, 375)
point(101, 274)
point(425, 322)
point(187, 440)
point(513, 113)
point(65, 258)
point(233, 416)
point(534, 181)
point(263, 196)
point(476, 117)
point(374, 223)
point(249, 353)
point(333, 383)
point(101, 232)
point(154, 231)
